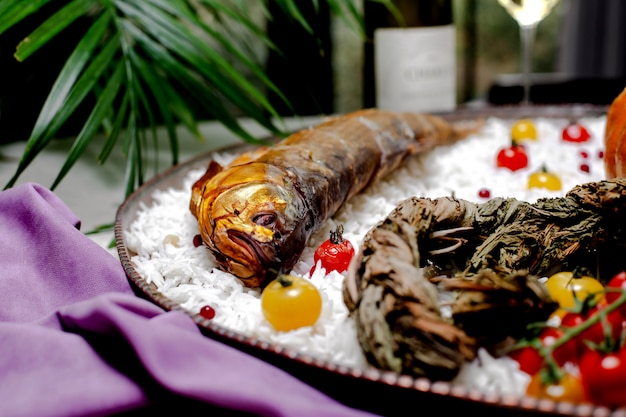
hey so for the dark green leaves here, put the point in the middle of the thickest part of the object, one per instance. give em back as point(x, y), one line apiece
point(143, 64)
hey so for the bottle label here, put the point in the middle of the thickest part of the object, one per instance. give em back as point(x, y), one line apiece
point(415, 68)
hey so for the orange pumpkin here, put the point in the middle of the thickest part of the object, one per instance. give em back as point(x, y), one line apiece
point(614, 138)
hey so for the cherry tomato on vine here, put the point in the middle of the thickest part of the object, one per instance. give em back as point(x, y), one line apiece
point(290, 302)
point(608, 325)
point(335, 253)
point(513, 157)
point(617, 282)
point(531, 361)
point(523, 129)
point(544, 179)
point(565, 287)
point(603, 377)
point(575, 132)
point(568, 388)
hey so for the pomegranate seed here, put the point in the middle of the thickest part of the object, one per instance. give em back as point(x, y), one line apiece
point(584, 154)
point(584, 168)
point(600, 154)
point(207, 312)
point(197, 241)
point(484, 193)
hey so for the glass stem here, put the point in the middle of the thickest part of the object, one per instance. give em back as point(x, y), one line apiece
point(527, 38)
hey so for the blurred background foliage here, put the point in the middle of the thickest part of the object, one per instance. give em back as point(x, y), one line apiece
point(296, 57)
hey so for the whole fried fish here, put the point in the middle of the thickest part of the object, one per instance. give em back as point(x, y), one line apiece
point(256, 215)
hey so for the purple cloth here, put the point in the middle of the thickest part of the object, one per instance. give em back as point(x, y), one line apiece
point(76, 341)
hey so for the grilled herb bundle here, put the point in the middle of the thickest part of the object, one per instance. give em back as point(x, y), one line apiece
point(439, 278)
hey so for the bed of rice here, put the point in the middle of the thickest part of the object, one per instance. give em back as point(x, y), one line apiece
point(162, 237)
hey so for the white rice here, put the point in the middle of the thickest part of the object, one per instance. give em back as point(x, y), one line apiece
point(162, 236)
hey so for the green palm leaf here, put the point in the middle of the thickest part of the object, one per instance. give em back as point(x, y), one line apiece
point(51, 27)
point(60, 105)
point(105, 100)
point(145, 63)
point(14, 11)
point(115, 131)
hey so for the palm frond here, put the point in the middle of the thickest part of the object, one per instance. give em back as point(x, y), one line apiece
point(51, 27)
point(145, 63)
point(104, 102)
point(60, 104)
point(14, 11)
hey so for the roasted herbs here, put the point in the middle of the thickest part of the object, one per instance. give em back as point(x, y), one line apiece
point(439, 278)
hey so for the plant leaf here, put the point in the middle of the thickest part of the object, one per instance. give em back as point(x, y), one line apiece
point(144, 104)
point(51, 27)
point(159, 64)
point(291, 9)
point(132, 162)
point(59, 104)
point(192, 84)
point(14, 11)
point(206, 61)
point(353, 17)
point(162, 93)
point(223, 41)
point(113, 136)
point(93, 122)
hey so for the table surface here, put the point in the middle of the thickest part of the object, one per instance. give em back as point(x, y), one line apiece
point(94, 191)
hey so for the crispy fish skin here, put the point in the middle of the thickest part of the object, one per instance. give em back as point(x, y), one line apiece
point(256, 215)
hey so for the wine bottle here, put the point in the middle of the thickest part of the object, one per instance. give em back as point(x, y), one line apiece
point(410, 56)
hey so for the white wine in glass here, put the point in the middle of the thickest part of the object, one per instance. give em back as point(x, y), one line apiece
point(527, 14)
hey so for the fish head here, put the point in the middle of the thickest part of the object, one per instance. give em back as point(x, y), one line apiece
point(254, 221)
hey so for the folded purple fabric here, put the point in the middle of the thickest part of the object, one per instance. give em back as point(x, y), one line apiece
point(75, 341)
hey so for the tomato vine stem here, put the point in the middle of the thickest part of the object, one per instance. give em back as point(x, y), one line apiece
point(552, 370)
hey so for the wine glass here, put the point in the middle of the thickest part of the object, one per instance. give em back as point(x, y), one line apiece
point(527, 14)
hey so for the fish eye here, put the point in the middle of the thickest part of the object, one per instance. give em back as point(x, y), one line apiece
point(265, 219)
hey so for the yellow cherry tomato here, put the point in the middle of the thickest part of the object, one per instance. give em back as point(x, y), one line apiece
point(290, 302)
point(564, 288)
point(544, 179)
point(523, 129)
point(568, 388)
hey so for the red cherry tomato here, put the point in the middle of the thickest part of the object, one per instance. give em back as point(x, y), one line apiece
point(575, 132)
point(513, 157)
point(531, 361)
point(618, 282)
point(608, 327)
point(604, 377)
point(335, 253)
